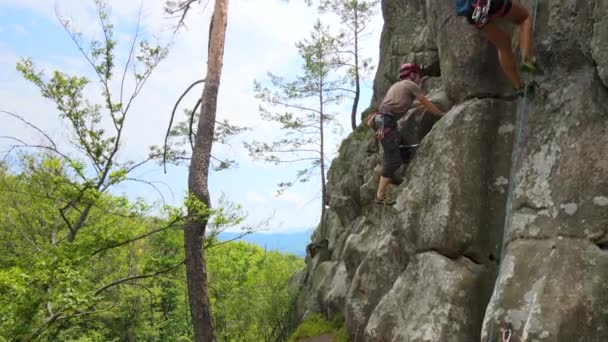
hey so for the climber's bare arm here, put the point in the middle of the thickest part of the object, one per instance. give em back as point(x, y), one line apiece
point(429, 105)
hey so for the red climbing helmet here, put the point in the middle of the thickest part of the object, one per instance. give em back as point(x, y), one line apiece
point(408, 68)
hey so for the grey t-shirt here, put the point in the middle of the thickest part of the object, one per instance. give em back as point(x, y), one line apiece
point(399, 98)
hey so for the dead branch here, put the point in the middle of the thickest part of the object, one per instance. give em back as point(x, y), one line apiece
point(173, 116)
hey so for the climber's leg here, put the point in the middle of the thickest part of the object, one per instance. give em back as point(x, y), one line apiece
point(391, 161)
point(520, 16)
point(502, 42)
point(382, 187)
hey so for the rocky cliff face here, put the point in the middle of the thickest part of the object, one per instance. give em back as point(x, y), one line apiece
point(439, 265)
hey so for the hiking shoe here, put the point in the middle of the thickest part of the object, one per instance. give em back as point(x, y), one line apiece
point(385, 201)
point(529, 66)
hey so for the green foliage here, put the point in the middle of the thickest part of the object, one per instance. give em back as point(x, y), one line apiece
point(316, 325)
point(95, 164)
point(57, 289)
point(80, 264)
point(41, 274)
point(248, 290)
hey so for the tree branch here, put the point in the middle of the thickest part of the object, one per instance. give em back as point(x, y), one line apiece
point(173, 116)
point(20, 118)
point(143, 236)
point(131, 54)
point(130, 169)
point(80, 314)
point(191, 123)
point(72, 35)
point(26, 145)
point(291, 151)
point(342, 89)
point(143, 276)
point(292, 160)
point(276, 102)
point(210, 245)
point(183, 8)
point(160, 193)
point(43, 327)
point(104, 78)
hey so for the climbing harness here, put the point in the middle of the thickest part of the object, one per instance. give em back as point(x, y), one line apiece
point(379, 126)
point(515, 161)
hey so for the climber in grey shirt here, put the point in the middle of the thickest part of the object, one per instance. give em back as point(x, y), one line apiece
point(397, 101)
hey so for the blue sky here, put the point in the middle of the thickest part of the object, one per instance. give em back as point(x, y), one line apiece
point(259, 39)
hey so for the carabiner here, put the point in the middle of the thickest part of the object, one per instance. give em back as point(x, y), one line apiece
point(506, 335)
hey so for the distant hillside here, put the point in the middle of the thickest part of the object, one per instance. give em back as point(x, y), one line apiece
point(294, 243)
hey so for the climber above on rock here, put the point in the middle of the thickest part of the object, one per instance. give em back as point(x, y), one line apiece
point(481, 13)
point(396, 103)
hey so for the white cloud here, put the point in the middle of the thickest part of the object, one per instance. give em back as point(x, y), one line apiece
point(290, 197)
point(255, 198)
point(20, 30)
point(259, 38)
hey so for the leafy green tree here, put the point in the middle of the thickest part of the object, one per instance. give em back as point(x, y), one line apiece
point(249, 292)
point(51, 287)
point(102, 168)
point(80, 264)
point(75, 221)
point(110, 293)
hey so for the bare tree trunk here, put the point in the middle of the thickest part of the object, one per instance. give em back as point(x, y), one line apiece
point(353, 117)
point(194, 230)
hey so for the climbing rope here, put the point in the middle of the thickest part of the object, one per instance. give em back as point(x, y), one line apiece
point(515, 163)
point(516, 153)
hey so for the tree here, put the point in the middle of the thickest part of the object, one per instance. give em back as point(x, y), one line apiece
point(73, 184)
point(248, 285)
point(67, 92)
point(196, 223)
point(354, 16)
point(307, 100)
point(249, 288)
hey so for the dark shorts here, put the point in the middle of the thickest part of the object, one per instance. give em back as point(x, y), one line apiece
point(393, 156)
point(495, 8)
